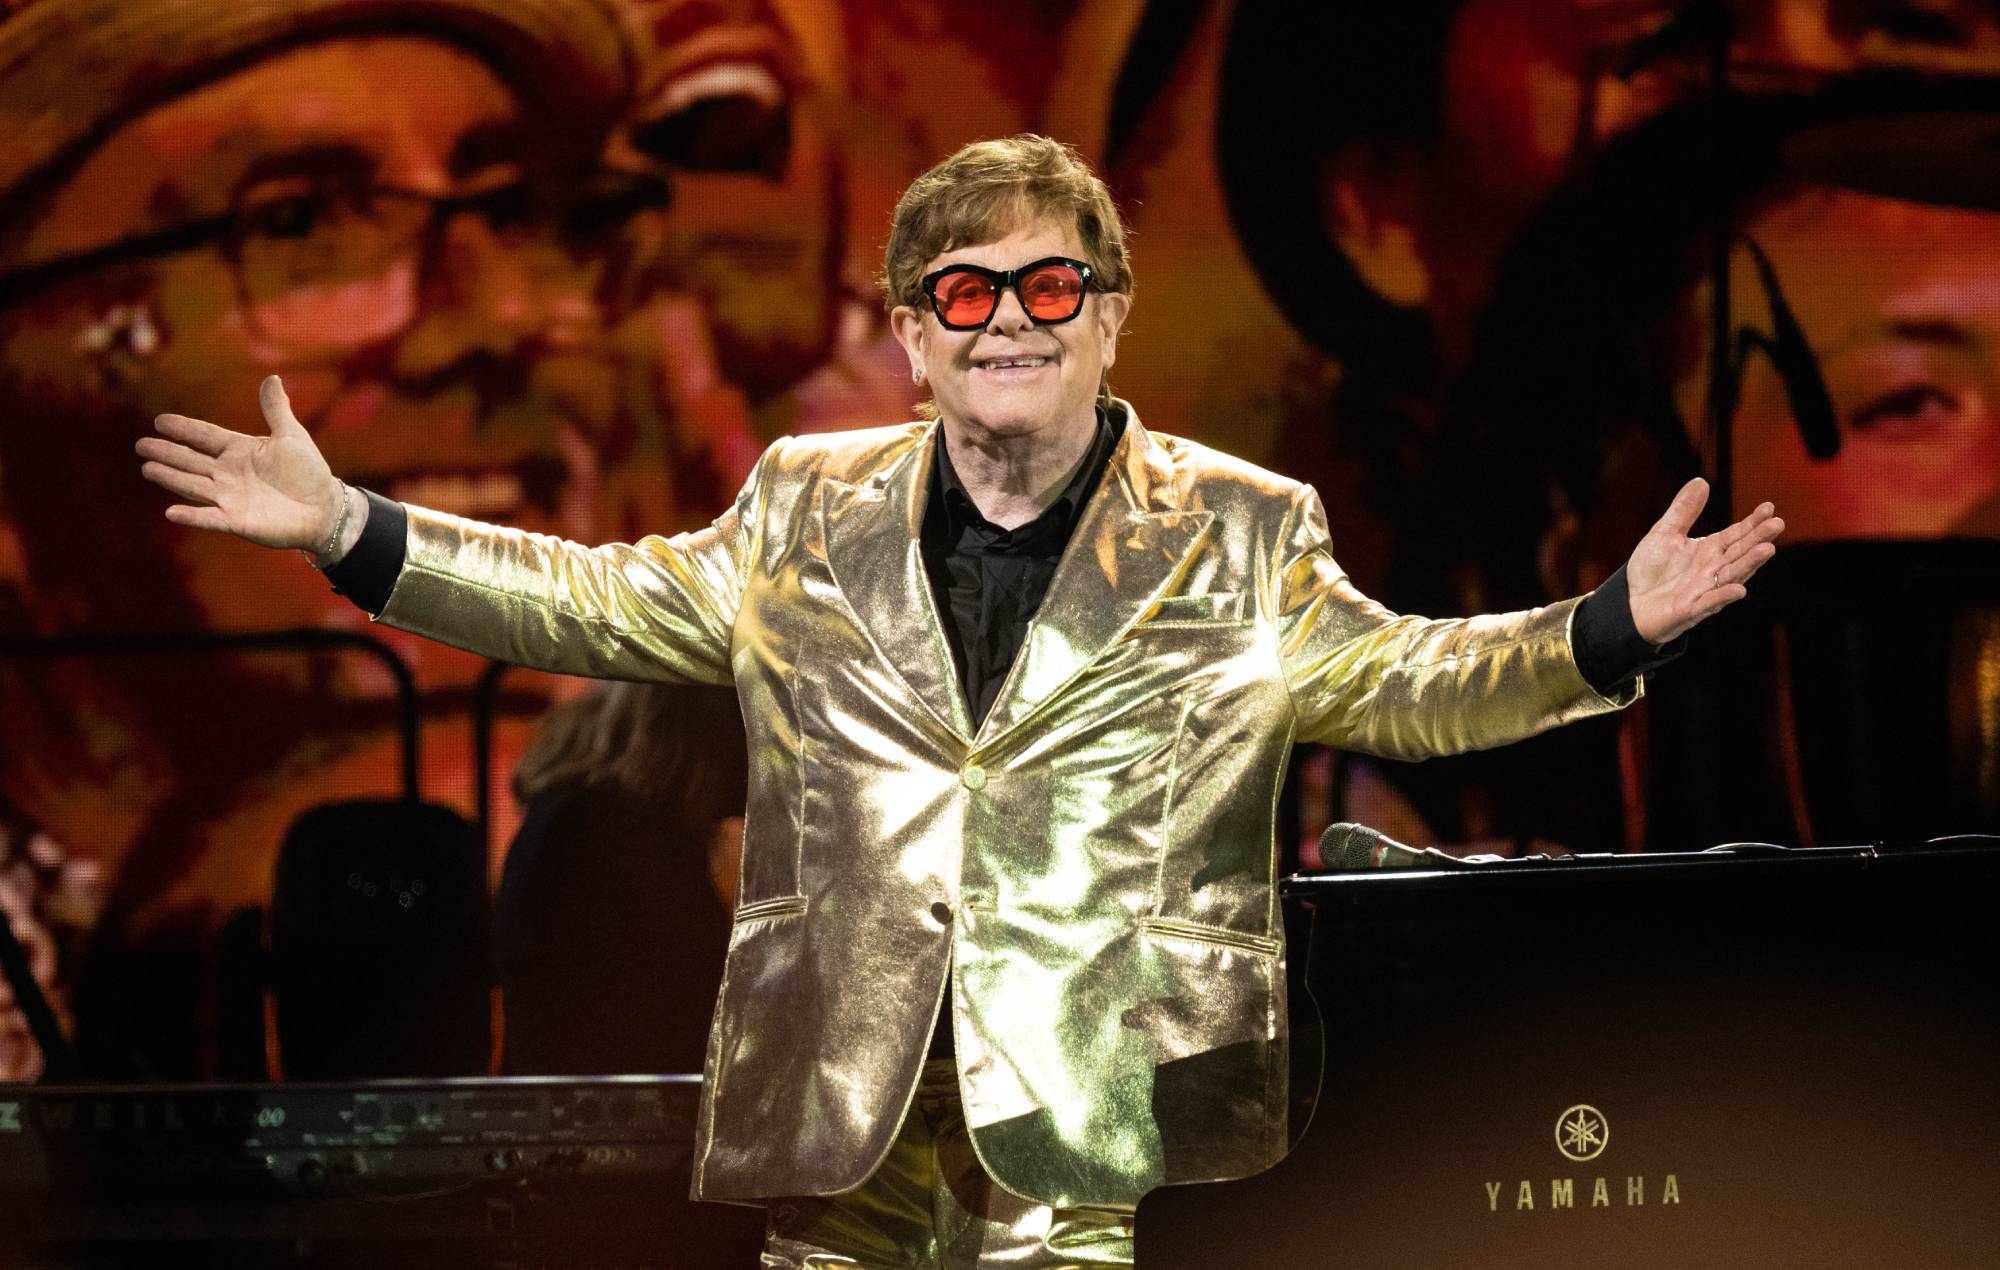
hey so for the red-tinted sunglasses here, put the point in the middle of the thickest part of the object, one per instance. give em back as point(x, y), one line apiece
point(1051, 290)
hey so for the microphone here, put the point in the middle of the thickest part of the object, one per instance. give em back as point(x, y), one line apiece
point(1350, 846)
point(1792, 356)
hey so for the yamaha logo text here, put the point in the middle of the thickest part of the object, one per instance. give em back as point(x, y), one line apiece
point(1582, 1133)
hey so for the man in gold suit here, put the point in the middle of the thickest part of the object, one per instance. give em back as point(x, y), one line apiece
point(1019, 684)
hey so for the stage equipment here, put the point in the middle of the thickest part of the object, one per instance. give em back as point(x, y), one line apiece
point(479, 1172)
point(380, 936)
point(1347, 846)
point(1775, 1059)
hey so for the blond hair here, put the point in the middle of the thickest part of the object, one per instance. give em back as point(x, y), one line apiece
point(678, 740)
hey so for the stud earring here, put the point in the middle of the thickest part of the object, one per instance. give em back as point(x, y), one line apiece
point(916, 374)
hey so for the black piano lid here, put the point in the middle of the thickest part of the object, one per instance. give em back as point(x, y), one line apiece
point(1804, 1044)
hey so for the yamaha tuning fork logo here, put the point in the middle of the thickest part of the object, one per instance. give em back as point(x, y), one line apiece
point(1582, 1133)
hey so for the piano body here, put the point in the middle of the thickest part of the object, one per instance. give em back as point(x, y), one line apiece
point(1666, 1061)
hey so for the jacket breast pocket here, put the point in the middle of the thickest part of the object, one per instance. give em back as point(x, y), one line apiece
point(1209, 608)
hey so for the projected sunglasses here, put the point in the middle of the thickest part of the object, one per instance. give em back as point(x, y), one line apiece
point(1051, 290)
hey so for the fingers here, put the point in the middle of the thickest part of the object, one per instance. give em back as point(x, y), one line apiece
point(200, 489)
point(198, 517)
point(1743, 566)
point(1758, 526)
point(195, 434)
point(1742, 549)
point(1685, 509)
point(180, 456)
point(277, 407)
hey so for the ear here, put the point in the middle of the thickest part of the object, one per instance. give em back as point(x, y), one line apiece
point(1110, 318)
point(907, 325)
point(1372, 196)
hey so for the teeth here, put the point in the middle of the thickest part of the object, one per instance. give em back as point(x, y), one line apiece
point(462, 494)
point(1000, 362)
point(724, 79)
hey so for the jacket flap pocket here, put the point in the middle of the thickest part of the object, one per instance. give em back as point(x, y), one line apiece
point(1202, 933)
point(781, 906)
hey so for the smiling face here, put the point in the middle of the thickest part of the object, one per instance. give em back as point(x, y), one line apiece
point(480, 373)
point(480, 362)
point(1013, 378)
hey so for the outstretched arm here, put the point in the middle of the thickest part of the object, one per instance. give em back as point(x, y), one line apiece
point(1368, 679)
point(661, 608)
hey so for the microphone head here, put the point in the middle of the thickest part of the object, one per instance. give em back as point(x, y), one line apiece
point(1347, 845)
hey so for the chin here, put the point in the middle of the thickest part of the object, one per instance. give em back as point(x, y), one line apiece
point(1008, 414)
point(1008, 422)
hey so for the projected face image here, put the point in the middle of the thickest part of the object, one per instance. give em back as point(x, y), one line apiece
point(1528, 91)
point(477, 303)
point(1900, 303)
point(374, 219)
point(432, 300)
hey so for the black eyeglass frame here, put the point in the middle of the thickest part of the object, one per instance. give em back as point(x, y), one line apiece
point(1004, 280)
point(23, 282)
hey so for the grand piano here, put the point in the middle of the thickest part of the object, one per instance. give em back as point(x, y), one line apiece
point(1711, 1060)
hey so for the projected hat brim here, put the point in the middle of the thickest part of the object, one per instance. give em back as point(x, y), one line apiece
point(72, 71)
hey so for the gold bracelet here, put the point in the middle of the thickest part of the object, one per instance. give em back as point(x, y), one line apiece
point(333, 540)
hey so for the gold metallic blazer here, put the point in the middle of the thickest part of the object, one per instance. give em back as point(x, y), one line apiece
point(1093, 865)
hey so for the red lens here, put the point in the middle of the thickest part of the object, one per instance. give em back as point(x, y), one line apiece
point(964, 299)
point(1052, 293)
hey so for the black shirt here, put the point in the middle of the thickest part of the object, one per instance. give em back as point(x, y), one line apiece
point(988, 582)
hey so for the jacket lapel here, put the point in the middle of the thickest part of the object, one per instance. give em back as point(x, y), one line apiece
point(1131, 543)
point(872, 533)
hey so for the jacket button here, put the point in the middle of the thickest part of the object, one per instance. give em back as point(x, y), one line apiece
point(973, 777)
point(941, 913)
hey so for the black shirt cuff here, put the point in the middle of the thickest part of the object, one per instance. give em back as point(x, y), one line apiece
point(368, 573)
point(1609, 649)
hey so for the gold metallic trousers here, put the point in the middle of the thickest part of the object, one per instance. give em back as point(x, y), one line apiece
point(931, 1207)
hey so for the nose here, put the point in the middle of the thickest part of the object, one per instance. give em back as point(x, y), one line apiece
point(1009, 317)
point(484, 297)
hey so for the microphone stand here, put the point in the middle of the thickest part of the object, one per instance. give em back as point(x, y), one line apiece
point(1707, 27)
point(1716, 29)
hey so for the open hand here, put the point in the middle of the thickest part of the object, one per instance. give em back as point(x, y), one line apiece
point(275, 490)
point(1676, 581)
